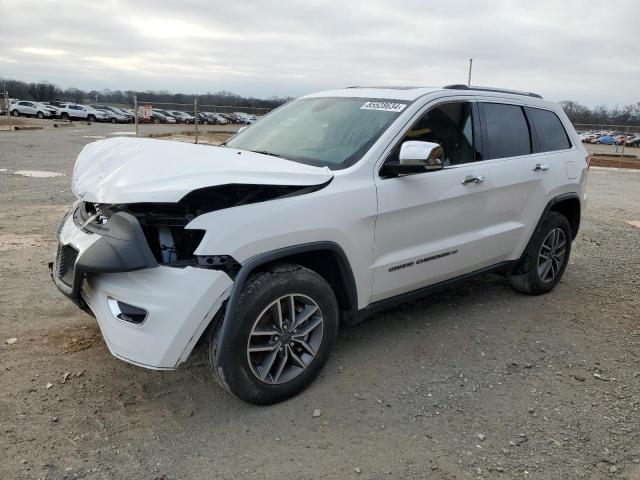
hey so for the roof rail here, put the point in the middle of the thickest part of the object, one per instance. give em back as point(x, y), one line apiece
point(490, 89)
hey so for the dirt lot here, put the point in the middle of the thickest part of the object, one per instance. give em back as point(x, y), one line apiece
point(479, 382)
point(612, 150)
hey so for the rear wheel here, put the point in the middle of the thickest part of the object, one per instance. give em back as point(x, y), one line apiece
point(40, 115)
point(91, 118)
point(546, 257)
point(15, 113)
point(113, 120)
point(288, 322)
point(64, 116)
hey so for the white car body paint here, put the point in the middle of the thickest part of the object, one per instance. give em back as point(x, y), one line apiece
point(446, 229)
point(131, 170)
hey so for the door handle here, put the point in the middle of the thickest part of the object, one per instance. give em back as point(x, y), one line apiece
point(473, 179)
point(540, 167)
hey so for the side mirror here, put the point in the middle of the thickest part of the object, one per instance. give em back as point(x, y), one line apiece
point(416, 157)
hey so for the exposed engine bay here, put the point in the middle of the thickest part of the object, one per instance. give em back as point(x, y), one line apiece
point(163, 224)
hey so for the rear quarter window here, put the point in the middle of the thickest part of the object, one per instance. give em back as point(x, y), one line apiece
point(551, 132)
point(507, 130)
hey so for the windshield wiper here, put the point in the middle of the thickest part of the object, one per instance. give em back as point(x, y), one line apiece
point(271, 154)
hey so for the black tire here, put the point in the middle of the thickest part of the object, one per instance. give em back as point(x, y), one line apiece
point(64, 116)
point(527, 277)
point(40, 115)
point(113, 120)
point(261, 291)
point(15, 113)
point(156, 121)
point(91, 118)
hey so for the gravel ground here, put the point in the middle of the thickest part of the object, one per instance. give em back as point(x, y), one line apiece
point(477, 382)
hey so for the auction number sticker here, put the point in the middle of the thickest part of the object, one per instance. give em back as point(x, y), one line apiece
point(384, 106)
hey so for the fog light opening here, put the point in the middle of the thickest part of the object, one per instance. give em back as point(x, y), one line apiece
point(125, 312)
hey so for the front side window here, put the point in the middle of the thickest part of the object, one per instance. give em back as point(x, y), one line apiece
point(550, 130)
point(449, 125)
point(327, 131)
point(507, 130)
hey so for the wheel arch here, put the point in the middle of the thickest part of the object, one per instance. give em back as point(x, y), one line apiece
point(325, 258)
point(568, 205)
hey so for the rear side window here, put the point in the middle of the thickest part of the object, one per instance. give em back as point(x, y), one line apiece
point(550, 130)
point(507, 130)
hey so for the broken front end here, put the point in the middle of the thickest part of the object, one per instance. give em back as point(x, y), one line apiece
point(133, 267)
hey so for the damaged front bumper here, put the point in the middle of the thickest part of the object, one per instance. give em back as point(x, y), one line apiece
point(114, 270)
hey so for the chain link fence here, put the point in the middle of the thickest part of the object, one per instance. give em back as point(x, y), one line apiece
point(601, 127)
point(191, 121)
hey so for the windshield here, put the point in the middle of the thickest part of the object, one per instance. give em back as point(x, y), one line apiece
point(332, 132)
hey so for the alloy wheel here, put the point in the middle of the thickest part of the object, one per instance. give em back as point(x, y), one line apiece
point(285, 339)
point(552, 255)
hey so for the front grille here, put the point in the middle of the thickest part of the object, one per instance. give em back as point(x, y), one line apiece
point(65, 262)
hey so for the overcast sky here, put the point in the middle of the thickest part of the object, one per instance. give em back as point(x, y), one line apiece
point(583, 50)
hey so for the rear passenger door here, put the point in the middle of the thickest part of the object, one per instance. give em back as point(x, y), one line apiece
point(520, 176)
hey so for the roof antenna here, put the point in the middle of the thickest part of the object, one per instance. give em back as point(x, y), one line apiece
point(470, 65)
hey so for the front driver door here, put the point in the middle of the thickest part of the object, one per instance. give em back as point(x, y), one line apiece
point(434, 225)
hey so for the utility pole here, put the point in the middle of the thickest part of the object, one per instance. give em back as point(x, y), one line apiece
point(5, 96)
point(195, 119)
point(135, 112)
point(470, 65)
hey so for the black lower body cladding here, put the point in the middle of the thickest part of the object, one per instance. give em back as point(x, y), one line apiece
point(120, 247)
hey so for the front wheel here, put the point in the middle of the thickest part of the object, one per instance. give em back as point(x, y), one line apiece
point(91, 118)
point(546, 257)
point(287, 324)
point(40, 115)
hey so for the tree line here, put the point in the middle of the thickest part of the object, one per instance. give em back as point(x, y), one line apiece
point(45, 92)
point(602, 115)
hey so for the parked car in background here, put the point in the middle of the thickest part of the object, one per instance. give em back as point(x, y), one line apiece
point(112, 116)
point(166, 113)
point(632, 141)
point(29, 109)
point(606, 140)
point(55, 111)
point(74, 111)
point(205, 119)
point(119, 112)
point(230, 117)
point(242, 117)
point(211, 118)
point(220, 119)
point(158, 117)
point(182, 117)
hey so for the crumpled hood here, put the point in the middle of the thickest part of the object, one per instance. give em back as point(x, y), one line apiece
point(133, 170)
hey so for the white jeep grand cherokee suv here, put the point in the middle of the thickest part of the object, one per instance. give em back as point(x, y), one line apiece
point(331, 207)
